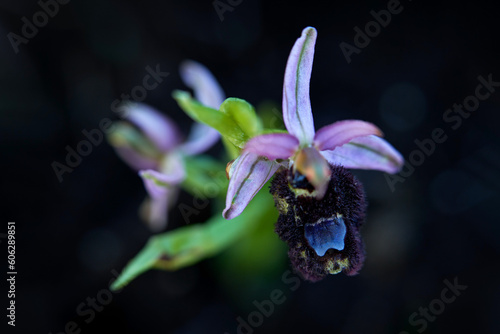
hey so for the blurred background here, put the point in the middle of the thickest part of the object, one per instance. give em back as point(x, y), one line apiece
point(73, 236)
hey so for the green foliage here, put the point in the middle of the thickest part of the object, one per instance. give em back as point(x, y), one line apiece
point(201, 171)
point(236, 120)
point(190, 244)
point(243, 114)
point(257, 249)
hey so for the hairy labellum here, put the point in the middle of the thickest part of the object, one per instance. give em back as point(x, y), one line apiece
point(322, 235)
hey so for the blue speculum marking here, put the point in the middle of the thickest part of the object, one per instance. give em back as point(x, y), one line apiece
point(326, 234)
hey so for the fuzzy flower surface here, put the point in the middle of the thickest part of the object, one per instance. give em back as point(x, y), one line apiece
point(151, 143)
point(308, 153)
point(323, 236)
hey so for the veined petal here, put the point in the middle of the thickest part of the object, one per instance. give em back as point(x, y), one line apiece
point(370, 152)
point(171, 173)
point(206, 88)
point(297, 113)
point(160, 129)
point(157, 183)
point(248, 174)
point(273, 146)
point(342, 132)
point(201, 138)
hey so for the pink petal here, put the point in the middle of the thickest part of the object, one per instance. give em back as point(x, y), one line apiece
point(172, 172)
point(172, 169)
point(200, 139)
point(157, 183)
point(342, 132)
point(370, 152)
point(134, 159)
point(160, 129)
point(297, 113)
point(248, 174)
point(155, 210)
point(205, 86)
point(273, 146)
point(162, 188)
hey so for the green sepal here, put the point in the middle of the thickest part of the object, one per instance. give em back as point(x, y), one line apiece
point(269, 131)
point(220, 121)
point(236, 119)
point(243, 113)
point(232, 151)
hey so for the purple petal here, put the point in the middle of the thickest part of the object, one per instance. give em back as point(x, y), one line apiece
point(205, 86)
point(157, 183)
point(134, 159)
point(200, 139)
point(172, 168)
point(342, 132)
point(172, 172)
point(155, 210)
point(297, 113)
point(162, 189)
point(273, 146)
point(370, 152)
point(247, 176)
point(160, 129)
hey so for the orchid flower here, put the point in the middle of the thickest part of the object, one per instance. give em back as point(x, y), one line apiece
point(159, 157)
point(349, 143)
point(321, 205)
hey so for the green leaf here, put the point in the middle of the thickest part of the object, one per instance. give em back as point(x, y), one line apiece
point(205, 177)
point(243, 114)
point(220, 121)
point(187, 245)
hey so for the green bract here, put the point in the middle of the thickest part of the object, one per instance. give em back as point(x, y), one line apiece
point(243, 114)
point(236, 119)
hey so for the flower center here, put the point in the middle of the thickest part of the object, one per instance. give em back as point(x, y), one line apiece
point(299, 181)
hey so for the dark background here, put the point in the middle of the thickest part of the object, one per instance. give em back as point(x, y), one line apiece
point(441, 223)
